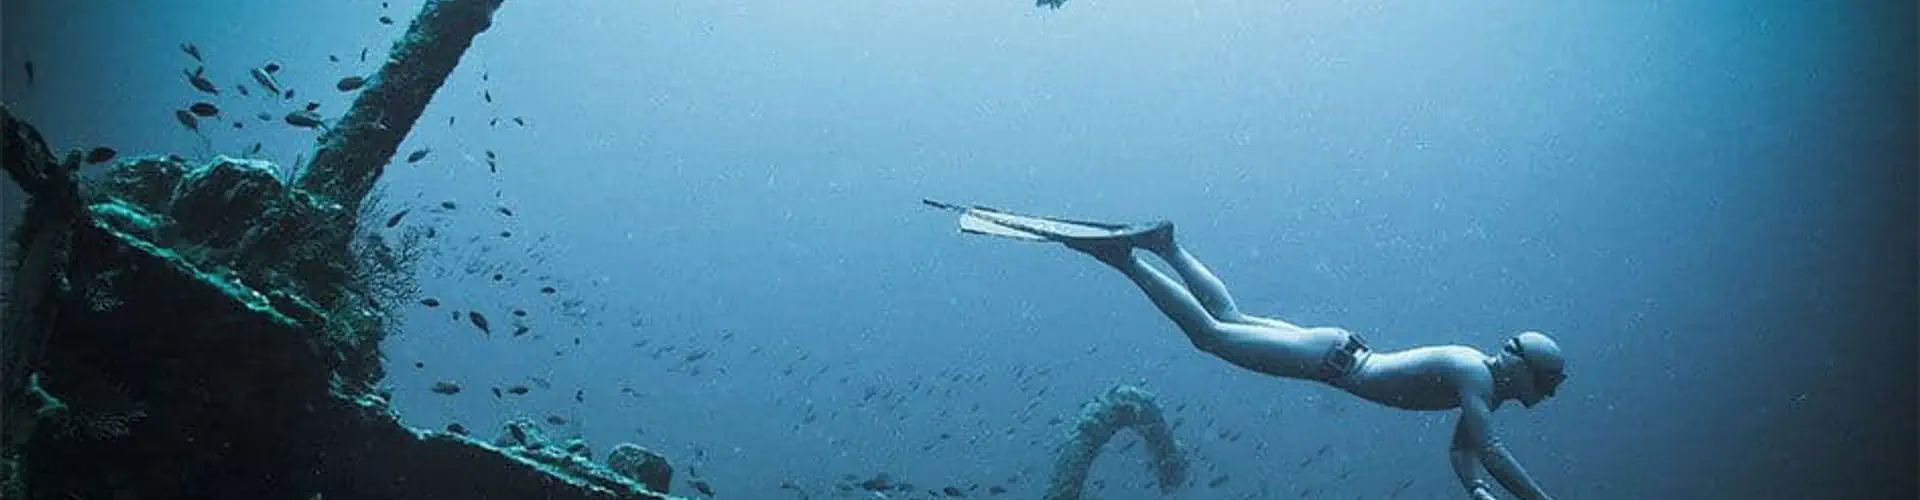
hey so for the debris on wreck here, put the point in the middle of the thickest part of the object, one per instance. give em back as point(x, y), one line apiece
point(641, 464)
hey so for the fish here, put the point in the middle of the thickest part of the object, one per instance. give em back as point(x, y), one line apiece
point(519, 436)
point(192, 51)
point(504, 211)
point(333, 58)
point(265, 116)
point(99, 155)
point(483, 76)
point(456, 428)
point(479, 322)
point(518, 390)
point(430, 302)
point(351, 83)
point(386, 20)
point(288, 95)
point(200, 82)
point(520, 122)
point(487, 94)
point(265, 79)
point(519, 330)
point(29, 67)
point(239, 125)
point(417, 155)
point(547, 290)
point(271, 67)
point(363, 54)
point(313, 105)
point(254, 150)
point(495, 121)
point(556, 420)
point(304, 119)
point(444, 387)
point(187, 120)
point(448, 205)
point(241, 88)
point(395, 221)
point(204, 109)
point(489, 154)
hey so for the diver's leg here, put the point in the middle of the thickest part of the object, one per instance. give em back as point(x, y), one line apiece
point(1283, 352)
point(1170, 297)
point(1205, 286)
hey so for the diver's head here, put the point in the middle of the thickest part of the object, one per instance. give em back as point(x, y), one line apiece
point(1540, 367)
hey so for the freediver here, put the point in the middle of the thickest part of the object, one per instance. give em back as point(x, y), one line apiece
point(1529, 367)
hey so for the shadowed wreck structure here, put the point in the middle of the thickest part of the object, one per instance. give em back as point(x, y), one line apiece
point(183, 329)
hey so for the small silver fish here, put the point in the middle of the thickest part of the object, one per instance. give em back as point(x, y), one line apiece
point(187, 120)
point(350, 83)
point(201, 82)
point(305, 119)
point(204, 109)
point(265, 80)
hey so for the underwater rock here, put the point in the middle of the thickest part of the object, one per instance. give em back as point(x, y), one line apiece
point(297, 228)
point(641, 464)
point(147, 181)
point(215, 204)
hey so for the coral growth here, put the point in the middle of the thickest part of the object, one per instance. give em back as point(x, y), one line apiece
point(1124, 407)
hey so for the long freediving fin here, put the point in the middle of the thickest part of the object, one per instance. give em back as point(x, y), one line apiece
point(977, 219)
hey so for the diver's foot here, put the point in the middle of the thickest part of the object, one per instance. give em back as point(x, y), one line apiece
point(1157, 239)
point(1114, 252)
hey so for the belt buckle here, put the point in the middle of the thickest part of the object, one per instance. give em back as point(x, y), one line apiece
point(1342, 359)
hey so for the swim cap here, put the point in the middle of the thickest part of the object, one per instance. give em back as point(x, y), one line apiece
point(1543, 358)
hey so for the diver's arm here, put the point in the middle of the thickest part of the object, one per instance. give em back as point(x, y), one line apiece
point(1474, 436)
point(1466, 466)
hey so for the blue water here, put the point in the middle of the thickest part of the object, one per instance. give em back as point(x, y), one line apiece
point(1711, 204)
